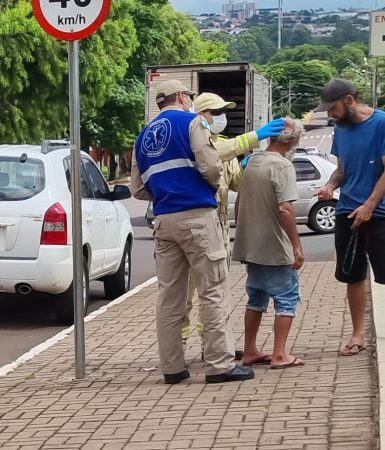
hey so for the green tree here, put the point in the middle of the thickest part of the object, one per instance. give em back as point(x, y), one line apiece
point(245, 48)
point(349, 55)
point(183, 43)
point(346, 33)
point(254, 46)
point(33, 71)
point(299, 36)
point(304, 52)
point(305, 80)
point(266, 45)
point(32, 74)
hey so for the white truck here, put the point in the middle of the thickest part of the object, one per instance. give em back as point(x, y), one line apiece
point(235, 81)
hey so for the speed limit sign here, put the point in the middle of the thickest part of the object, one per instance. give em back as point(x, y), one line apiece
point(70, 19)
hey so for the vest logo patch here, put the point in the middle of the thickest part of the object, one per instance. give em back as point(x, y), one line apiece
point(156, 138)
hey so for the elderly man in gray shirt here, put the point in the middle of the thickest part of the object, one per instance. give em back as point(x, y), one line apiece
point(267, 242)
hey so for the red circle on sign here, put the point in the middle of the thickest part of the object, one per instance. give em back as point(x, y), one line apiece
point(77, 34)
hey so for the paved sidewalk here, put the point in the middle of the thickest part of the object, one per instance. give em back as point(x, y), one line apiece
point(330, 403)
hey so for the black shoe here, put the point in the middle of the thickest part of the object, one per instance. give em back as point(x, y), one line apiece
point(238, 355)
point(175, 378)
point(237, 374)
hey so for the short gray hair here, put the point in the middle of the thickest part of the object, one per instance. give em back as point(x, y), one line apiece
point(293, 130)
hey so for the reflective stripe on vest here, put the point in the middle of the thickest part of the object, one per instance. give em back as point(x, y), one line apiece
point(167, 165)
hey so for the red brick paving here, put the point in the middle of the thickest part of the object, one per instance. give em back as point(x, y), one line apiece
point(330, 403)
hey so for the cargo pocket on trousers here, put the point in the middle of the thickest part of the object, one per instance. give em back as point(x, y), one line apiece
point(218, 266)
point(198, 231)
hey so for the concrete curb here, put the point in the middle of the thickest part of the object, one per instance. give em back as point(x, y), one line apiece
point(378, 301)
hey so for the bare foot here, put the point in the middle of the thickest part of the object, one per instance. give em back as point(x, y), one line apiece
point(286, 360)
point(295, 362)
point(352, 349)
point(355, 345)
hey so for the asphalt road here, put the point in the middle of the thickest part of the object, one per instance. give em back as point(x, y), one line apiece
point(26, 321)
point(320, 138)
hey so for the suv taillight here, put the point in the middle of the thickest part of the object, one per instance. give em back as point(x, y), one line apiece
point(55, 226)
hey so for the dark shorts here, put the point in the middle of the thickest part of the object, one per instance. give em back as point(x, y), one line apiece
point(353, 247)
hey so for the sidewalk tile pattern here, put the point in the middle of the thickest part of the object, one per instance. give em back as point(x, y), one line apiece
point(330, 403)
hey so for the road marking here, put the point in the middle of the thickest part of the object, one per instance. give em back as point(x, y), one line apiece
point(4, 370)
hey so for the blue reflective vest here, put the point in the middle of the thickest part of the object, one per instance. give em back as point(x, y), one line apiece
point(167, 165)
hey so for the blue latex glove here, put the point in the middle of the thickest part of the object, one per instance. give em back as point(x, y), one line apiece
point(245, 161)
point(271, 129)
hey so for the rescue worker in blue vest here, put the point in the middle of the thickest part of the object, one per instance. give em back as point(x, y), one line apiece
point(177, 167)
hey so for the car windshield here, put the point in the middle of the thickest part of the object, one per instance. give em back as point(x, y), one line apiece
point(20, 178)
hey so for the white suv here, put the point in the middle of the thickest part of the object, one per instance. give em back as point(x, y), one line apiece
point(36, 223)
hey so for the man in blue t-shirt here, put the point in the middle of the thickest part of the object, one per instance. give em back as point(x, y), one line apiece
point(359, 145)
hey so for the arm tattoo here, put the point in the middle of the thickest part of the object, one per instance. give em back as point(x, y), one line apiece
point(336, 179)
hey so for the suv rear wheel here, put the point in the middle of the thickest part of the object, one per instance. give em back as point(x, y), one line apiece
point(64, 303)
point(322, 218)
point(119, 283)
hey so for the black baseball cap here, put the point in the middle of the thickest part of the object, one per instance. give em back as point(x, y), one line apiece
point(333, 91)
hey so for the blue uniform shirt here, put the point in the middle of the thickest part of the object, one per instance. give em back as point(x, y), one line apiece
point(167, 165)
point(360, 148)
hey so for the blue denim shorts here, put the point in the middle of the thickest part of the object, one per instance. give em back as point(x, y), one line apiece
point(281, 283)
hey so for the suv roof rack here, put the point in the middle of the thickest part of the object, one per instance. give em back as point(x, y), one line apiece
point(49, 145)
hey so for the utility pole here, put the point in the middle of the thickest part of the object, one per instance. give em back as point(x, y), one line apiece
point(374, 84)
point(280, 5)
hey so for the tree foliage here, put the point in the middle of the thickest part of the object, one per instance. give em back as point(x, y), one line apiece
point(299, 36)
point(33, 71)
point(349, 55)
point(254, 46)
point(304, 79)
point(304, 52)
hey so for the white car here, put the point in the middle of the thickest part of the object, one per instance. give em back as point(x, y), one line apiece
point(312, 171)
point(36, 224)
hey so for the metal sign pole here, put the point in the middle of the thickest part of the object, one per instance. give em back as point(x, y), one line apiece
point(72, 20)
point(77, 251)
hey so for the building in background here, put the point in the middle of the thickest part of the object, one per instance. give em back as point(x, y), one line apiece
point(241, 10)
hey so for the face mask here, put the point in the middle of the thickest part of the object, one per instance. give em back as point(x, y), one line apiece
point(219, 124)
point(192, 108)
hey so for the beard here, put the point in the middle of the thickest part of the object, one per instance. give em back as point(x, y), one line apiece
point(290, 153)
point(347, 119)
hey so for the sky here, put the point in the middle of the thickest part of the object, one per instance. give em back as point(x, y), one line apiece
point(208, 6)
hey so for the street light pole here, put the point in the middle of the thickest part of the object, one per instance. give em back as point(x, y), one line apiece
point(280, 5)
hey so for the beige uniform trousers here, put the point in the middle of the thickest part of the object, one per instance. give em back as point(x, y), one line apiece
point(231, 179)
point(192, 240)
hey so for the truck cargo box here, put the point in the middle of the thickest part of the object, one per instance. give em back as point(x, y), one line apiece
point(237, 82)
